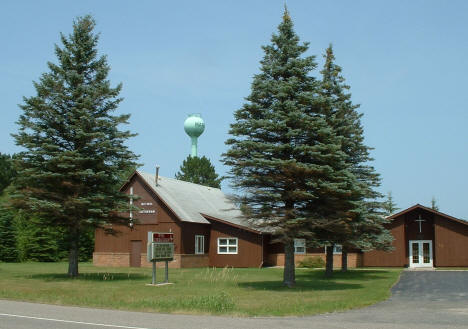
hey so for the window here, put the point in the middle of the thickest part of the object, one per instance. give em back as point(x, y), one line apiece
point(199, 244)
point(337, 249)
point(299, 246)
point(227, 245)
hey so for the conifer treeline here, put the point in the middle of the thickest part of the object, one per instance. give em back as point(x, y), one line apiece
point(297, 155)
point(23, 237)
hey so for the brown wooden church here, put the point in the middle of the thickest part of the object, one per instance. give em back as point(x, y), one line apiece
point(423, 238)
point(209, 231)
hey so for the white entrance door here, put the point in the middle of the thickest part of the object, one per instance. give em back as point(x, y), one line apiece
point(420, 253)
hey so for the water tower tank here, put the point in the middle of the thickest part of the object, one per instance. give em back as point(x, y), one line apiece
point(194, 127)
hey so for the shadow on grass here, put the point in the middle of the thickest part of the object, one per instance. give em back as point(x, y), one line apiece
point(105, 276)
point(316, 280)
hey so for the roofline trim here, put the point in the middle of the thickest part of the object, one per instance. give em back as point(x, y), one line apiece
point(416, 206)
point(136, 173)
point(231, 224)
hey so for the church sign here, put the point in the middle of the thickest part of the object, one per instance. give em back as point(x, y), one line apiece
point(160, 249)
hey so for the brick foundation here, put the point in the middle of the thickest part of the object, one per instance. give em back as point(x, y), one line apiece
point(117, 259)
point(354, 259)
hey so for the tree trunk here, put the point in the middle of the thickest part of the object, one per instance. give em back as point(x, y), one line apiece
point(289, 275)
point(344, 259)
point(74, 249)
point(329, 262)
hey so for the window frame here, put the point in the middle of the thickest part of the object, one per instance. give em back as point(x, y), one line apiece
point(228, 246)
point(335, 252)
point(198, 252)
point(301, 245)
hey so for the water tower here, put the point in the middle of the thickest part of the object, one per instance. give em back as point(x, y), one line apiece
point(194, 127)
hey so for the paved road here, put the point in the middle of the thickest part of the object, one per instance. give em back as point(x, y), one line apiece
point(420, 300)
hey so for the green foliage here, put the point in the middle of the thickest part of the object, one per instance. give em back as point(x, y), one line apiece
point(362, 224)
point(8, 250)
point(75, 154)
point(37, 242)
point(199, 171)
point(312, 262)
point(283, 154)
point(7, 171)
point(389, 206)
point(434, 205)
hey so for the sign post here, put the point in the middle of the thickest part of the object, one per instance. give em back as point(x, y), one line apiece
point(160, 248)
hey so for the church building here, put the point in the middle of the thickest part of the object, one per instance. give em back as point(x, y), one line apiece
point(209, 230)
point(423, 238)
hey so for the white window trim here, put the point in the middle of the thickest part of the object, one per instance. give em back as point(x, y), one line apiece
point(227, 245)
point(202, 251)
point(300, 243)
point(334, 249)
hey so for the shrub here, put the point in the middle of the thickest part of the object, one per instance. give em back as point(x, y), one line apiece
point(312, 262)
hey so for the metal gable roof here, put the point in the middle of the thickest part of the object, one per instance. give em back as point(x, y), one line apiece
point(189, 201)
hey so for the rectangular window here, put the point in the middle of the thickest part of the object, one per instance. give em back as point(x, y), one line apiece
point(199, 244)
point(227, 245)
point(337, 249)
point(299, 246)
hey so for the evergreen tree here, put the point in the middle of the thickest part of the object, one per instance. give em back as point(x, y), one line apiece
point(8, 250)
point(434, 205)
point(35, 241)
point(199, 171)
point(389, 205)
point(364, 221)
point(75, 151)
point(7, 171)
point(283, 155)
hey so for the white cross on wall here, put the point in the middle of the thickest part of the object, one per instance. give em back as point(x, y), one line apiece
point(420, 220)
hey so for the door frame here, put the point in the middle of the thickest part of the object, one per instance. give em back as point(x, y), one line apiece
point(135, 256)
point(420, 255)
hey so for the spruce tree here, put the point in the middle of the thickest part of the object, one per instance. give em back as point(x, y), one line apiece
point(284, 157)
point(8, 249)
point(199, 171)
point(389, 205)
point(75, 152)
point(365, 223)
point(434, 205)
point(7, 171)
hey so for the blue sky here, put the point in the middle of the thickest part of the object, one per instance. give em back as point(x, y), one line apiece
point(406, 62)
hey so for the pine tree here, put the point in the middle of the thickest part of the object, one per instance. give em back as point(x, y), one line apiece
point(199, 171)
point(434, 205)
point(365, 225)
point(389, 205)
point(8, 249)
point(7, 171)
point(283, 155)
point(75, 150)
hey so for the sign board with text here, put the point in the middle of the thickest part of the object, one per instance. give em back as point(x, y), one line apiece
point(160, 247)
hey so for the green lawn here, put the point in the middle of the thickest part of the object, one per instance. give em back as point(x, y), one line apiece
point(242, 292)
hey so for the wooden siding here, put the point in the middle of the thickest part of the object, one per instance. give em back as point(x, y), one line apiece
point(249, 248)
point(397, 257)
point(451, 243)
point(163, 213)
point(121, 242)
point(162, 221)
point(189, 230)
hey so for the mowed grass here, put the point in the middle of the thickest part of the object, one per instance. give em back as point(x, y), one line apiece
point(239, 292)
